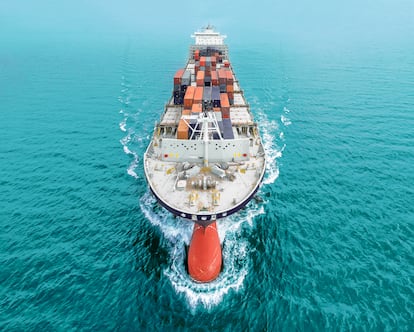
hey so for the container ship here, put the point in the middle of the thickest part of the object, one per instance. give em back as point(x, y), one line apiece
point(205, 160)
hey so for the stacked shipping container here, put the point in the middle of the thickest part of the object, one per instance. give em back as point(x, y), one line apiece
point(213, 89)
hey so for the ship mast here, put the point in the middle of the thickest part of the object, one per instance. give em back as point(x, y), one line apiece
point(205, 139)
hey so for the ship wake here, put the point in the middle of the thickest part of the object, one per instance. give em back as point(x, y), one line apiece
point(235, 253)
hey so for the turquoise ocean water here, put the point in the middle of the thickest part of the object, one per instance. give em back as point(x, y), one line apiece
point(84, 246)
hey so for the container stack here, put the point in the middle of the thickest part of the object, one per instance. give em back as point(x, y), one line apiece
point(225, 106)
point(196, 109)
point(178, 96)
point(215, 96)
point(230, 86)
point(227, 129)
point(197, 55)
point(207, 96)
point(182, 79)
point(207, 84)
point(198, 95)
point(222, 78)
point(200, 78)
point(189, 97)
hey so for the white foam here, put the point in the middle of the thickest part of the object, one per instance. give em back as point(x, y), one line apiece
point(122, 125)
point(125, 140)
point(269, 133)
point(286, 110)
point(131, 169)
point(285, 120)
point(126, 150)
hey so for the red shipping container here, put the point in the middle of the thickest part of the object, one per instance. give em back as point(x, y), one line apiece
point(229, 88)
point(178, 75)
point(197, 55)
point(189, 96)
point(203, 61)
point(225, 113)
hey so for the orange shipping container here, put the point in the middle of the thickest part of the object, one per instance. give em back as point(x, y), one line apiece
point(229, 76)
point(224, 100)
point(222, 76)
point(225, 105)
point(200, 78)
point(214, 78)
point(213, 61)
point(189, 96)
point(182, 130)
point(230, 88)
point(186, 111)
point(198, 95)
point(197, 108)
point(231, 97)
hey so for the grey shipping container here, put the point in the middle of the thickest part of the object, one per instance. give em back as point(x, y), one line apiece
point(186, 78)
point(215, 134)
point(215, 96)
point(207, 81)
point(207, 94)
point(227, 129)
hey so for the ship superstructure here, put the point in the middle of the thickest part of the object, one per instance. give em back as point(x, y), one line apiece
point(206, 159)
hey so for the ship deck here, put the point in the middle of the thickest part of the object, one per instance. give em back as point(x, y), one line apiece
point(204, 191)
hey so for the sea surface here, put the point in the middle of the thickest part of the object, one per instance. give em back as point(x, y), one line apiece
point(85, 247)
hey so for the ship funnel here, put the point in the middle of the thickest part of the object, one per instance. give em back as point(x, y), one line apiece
point(204, 255)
